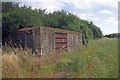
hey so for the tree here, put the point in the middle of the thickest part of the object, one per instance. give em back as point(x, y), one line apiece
point(114, 35)
point(16, 17)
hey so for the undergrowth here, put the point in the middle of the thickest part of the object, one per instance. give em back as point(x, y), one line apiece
point(99, 59)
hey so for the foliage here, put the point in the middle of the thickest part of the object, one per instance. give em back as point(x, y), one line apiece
point(16, 17)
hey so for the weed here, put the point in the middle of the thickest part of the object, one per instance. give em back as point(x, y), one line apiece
point(97, 60)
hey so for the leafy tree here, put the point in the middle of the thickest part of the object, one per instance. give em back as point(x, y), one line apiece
point(97, 33)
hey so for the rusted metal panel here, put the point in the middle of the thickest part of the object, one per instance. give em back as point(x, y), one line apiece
point(60, 41)
point(61, 45)
point(60, 35)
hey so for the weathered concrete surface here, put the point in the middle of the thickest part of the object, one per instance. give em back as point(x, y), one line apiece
point(47, 40)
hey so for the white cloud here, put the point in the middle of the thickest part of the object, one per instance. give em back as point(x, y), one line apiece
point(79, 4)
point(112, 21)
point(106, 11)
point(89, 16)
point(108, 26)
point(88, 4)
point(107, 3)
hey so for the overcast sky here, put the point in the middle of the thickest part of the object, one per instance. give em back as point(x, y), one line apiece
point(103, 13)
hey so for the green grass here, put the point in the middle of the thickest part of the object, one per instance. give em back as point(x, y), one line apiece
point(99, 59)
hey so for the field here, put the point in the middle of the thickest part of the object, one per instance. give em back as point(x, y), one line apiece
point(99, 59)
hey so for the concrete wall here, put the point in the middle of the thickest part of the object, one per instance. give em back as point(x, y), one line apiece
point(42, 39)
point(74, 41)
point(47, 40)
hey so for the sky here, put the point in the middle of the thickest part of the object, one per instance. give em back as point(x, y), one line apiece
point(103, 13)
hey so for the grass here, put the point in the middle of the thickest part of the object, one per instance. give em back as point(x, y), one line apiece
point(97, 60)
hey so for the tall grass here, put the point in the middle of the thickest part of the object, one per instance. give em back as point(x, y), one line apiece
point(98, 60)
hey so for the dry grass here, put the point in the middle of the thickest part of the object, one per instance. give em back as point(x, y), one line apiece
point(98, 60)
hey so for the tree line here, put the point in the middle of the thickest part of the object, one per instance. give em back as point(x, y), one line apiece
point(114, 35)
point(15, 17)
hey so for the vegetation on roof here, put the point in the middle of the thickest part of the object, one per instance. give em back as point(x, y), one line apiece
point(15, 17)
